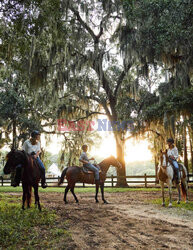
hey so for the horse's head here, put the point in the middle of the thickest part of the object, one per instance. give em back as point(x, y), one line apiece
point(14, 157)
point(163, 159)
point(114, 162)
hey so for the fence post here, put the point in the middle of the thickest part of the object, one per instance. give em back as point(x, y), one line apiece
point(145, 176)
point(112, 184)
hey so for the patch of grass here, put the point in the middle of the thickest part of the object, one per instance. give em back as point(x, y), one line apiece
point(182, 205)
point(28, 228)
point(85, 190)
point(80, 190)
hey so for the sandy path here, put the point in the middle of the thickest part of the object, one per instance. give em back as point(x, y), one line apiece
point(125, 223)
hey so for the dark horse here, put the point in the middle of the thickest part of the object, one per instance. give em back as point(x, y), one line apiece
point(75, 174)
point(30, 175)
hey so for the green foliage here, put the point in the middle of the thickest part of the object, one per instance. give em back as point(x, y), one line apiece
point(18, 226)
point(178, 101)
point(181, 206)
point(79, 190)
point(159, 28)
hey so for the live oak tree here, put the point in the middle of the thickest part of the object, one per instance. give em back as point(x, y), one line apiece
point(159, 34)
point(71, 49)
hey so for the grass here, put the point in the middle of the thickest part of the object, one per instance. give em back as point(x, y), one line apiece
point(182, 205)
point(80, 190)
point(85, 190)
point(30, 228)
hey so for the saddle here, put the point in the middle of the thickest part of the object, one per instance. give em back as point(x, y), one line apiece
point(87, 171)
point(181, 170)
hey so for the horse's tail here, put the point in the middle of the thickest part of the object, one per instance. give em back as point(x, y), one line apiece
point(62, 176)
point(183, 190)
point(27, 192)
point(182, 185)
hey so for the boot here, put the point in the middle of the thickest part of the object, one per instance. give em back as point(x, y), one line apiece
point(43, 182)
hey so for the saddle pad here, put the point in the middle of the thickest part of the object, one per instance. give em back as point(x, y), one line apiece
point(86, 171)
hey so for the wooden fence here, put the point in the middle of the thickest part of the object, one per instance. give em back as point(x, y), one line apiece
point(111, 181)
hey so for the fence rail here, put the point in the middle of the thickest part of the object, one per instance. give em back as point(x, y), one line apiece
point(111, 181)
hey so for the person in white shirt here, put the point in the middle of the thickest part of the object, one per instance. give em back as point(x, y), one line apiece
point(86, 162)
point(173, 155)
point(32, 147)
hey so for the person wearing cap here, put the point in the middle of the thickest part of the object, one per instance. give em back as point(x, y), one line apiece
point(172, 153)
point(32, 147)
point(86, 163)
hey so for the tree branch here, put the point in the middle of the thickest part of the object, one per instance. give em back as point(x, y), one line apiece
point(121, 77)
point(90, 31)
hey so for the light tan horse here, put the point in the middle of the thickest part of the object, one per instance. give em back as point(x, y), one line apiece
point(166, 175)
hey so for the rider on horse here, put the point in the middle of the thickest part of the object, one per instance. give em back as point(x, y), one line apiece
point(32, 146)
point(84, 159)
point(172, 153)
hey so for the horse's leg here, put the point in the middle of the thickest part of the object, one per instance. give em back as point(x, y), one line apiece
point(163, 198)
point(170, 192)
point(179, 193)
point(24, 197)
point(97, 190)
point(102, 192)
point(28, 196)
point(65, 194)
point(72, 191)
point(37, 199)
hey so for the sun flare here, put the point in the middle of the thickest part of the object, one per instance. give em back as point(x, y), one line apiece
point(134, 150)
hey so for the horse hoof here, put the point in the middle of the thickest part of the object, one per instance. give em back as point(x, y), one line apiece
point(106, 202)
point(186, 201)
point(23, 207)
point(163, 204)
point(77, 202)
point(178, 202)
point(170, 205)
point(65, 202)
point(97, 201)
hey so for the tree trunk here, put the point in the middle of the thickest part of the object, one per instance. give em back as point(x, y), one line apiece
point(185, 150)
point(14, 135)
point(156, 168)
point(121, 173)
point(190, 134)
point(191, 154)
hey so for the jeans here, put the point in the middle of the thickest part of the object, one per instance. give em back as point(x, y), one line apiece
point(94, 169)
point(42, 169)
point(41, 165)
point(176, 168)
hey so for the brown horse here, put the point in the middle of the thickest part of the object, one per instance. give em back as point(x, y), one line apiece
point(166, 175)
point(75, 174)
point(30, 174)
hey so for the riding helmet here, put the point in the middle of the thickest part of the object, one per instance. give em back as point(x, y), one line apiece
point(170, 140)
point(35, 133)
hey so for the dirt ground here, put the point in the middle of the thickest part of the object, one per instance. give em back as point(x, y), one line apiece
point(127, 222)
